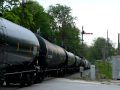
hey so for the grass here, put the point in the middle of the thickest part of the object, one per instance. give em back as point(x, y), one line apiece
point(103, 70)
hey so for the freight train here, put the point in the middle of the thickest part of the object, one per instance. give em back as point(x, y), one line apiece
point(26, 58)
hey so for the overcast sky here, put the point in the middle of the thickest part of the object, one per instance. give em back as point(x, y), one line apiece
point(96, 16)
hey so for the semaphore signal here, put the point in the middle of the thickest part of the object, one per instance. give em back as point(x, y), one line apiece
point(82, 33)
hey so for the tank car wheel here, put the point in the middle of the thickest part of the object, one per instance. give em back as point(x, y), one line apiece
point(39, 78)
point(29, 79)
point(22, 81)
point(7, 83)
point(57, 73)
point(61, 73)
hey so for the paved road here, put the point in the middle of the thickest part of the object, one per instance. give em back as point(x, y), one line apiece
point(9, 88)
point(67, 84)
point(71, 82)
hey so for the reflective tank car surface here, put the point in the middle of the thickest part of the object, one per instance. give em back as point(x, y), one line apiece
point(18, 45)
point(70, 59)
point(51, 55)
point(78, 61)
point(87, 64)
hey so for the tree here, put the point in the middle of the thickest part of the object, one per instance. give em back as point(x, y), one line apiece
point(7, 5)
point(17, 15)
point(66, 34)
point(12, 17)
point(101, 49)
point(1, 5)
point(61, 15)
point(40, 19)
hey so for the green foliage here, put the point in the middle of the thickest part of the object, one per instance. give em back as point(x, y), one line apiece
point(12, 17)
point(1, 6)
point(61, 15)
point(84, 50)
point(12, 11)
point(103, 69)
point(7, 5)
point(40, 19)
point(101, 49)
point(64, 31)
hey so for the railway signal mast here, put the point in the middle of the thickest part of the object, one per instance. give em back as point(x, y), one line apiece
point(83, 32)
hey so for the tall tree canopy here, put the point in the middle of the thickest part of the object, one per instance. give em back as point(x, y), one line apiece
point(40, 19)
point(61, 15)
point(13, 11)
point(64, 31)
point(6, 5)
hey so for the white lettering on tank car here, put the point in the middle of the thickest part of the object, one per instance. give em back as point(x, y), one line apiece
point(49, 56)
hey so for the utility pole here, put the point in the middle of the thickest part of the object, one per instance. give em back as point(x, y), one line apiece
point(118, 43)
point(82, 41)
point(82, 35)
point(107, 49)
point(107, 44)
point(23, 13)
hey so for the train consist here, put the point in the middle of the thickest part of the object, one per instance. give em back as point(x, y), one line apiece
point(27, 58)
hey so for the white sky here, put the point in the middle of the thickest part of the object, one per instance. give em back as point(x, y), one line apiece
point(96, 16)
